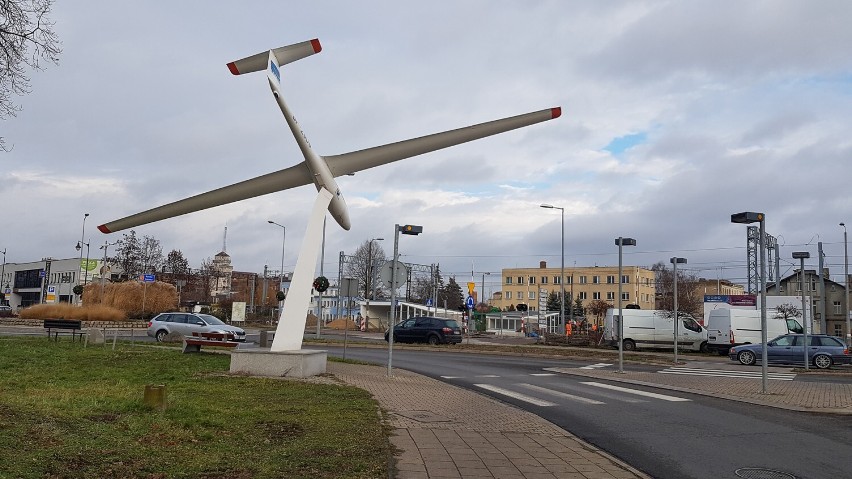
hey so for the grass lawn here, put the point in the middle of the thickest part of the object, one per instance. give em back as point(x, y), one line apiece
point(70, 412)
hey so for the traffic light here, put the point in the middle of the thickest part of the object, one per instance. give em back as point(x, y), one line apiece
point(522, 307)
point(410, 229)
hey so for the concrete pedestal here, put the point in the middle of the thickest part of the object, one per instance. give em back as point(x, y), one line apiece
point(263, 362)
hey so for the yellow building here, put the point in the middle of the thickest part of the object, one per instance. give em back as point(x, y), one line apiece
point(531, 286)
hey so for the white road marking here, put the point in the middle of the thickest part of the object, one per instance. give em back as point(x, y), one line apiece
point(451, 377)
point(487, 376)
point(727, 373)
point(596, 366)
point(518, 396)
point(560, 394)
point(542, 374)
point(636, 391)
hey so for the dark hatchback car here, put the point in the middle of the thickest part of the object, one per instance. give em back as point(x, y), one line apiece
point(425, 329)
point(823, 351)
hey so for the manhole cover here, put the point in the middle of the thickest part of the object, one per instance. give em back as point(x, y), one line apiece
point(760, 473)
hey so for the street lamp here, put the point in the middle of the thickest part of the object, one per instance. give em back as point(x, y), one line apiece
point(3, 279)
point(80, 249)
point(561, 271)
point(748, 217)
point(621, 242)
point(84, 266)
point(802, 256)
point(483, 287)
point(406, 230)
point(846, 282)
point(368, 284)
point(281, 280)
point(676, 261)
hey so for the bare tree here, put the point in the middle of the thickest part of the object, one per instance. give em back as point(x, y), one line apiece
point(176, 263)
point(598, 308)
point(368, 258)
point(26, 38)
point(688, 300)
point(787, 311)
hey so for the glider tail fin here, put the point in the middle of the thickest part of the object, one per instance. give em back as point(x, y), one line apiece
point(284, 55)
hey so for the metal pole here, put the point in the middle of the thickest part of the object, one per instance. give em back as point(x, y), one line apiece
point(562, 277)
point(777, 269)
point(804, 320)
point(674, 266)
point(3, 278)
point(322, 262)
point(393, 299)
point(846, 282)
point(80, 264)
point(823, 320)
point(763, 339)
point(368, 286)
point(620, 321)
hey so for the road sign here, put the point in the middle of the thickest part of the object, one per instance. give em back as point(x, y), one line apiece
point(469, 302)
point(41, 273)
point(401, 274)
point(429, 302)
point(149, 278)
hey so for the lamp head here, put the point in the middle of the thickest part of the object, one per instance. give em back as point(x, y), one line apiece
point(747, 217)
point(625, 242)
point(79, 246)
point(801, 255)
point(676, 260)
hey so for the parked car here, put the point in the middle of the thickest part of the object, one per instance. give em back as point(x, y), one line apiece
point(428, 330)
point(823, 352)
point(732, 327)
point(188, 323)
point(650, 328)
point(6, 311)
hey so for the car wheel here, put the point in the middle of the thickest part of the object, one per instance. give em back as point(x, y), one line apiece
point(822, 361)
point(161, 335)
point(433, 340)
point(704, 348)
point(629, 345)
point(746, 357)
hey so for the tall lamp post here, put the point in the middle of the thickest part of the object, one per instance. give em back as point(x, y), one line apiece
point(621, 242)
point(846, 282)
point(748, 217)
point(482, 300)
point(85, 268)
point(3, 279)
point(80, 249)
point(105, 247)
point(406, 230)
point(802, 256)
point(368, 284)
point(283, 243)
point(676, 261)
point(561, 271)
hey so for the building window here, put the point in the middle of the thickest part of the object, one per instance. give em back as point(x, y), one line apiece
point(520, 280)
point(626, 297)
point(596, 279)
point(610, 296)
point(838, 330)
point(582, 295)
point(836, 309)
point(582, 280)
point(508, 280)
point(544, 281)
point(569, 280)
point(532, 296)
point(610, 279)
point(532, 279)
point(558, 280)
point(625, 279)
point(596, 295)
point(509, 296)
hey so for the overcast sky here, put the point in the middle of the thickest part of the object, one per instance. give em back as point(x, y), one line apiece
point(674, 116)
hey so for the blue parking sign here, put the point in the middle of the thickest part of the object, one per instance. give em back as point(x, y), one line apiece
point(469, 302)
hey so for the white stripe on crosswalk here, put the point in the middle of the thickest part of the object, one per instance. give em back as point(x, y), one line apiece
point(451, 377)
point(596, 366)
point(560, 394)
point(542, 374)
point(518, 396)
point(727, 373)
point(636, 391)
point(487, 376)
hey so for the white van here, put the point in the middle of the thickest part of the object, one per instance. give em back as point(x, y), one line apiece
point(649, 328)
point(731, 327)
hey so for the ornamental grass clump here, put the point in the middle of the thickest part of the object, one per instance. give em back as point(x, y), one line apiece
point(95, 312)
point(129, 297)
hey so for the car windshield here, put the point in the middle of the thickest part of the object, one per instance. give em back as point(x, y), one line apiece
point(212, 320)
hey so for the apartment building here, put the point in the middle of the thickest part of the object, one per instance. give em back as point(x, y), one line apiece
point(530, 285)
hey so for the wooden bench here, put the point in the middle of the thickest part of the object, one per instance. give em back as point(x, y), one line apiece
point(192, 344)
point(67, 326)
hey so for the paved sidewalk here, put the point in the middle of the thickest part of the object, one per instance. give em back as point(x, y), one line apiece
point(443, 431)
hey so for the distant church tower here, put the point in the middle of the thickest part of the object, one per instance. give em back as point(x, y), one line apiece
point(224, 270)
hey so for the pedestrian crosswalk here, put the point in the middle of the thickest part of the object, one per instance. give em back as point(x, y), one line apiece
point(587, 392)
point(727, 373)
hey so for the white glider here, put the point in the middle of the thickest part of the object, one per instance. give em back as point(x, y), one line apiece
point(316, 169)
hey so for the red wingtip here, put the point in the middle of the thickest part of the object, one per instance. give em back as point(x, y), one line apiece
point(555, 112)
point(233, 67)
point(104, 229)
point(316, 44)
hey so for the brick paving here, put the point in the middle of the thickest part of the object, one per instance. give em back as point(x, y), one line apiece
point(443, 431)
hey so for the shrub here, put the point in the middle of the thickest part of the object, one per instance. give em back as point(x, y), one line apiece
point(128, 297)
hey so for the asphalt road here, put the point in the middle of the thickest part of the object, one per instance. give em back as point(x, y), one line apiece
point(665, 434)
